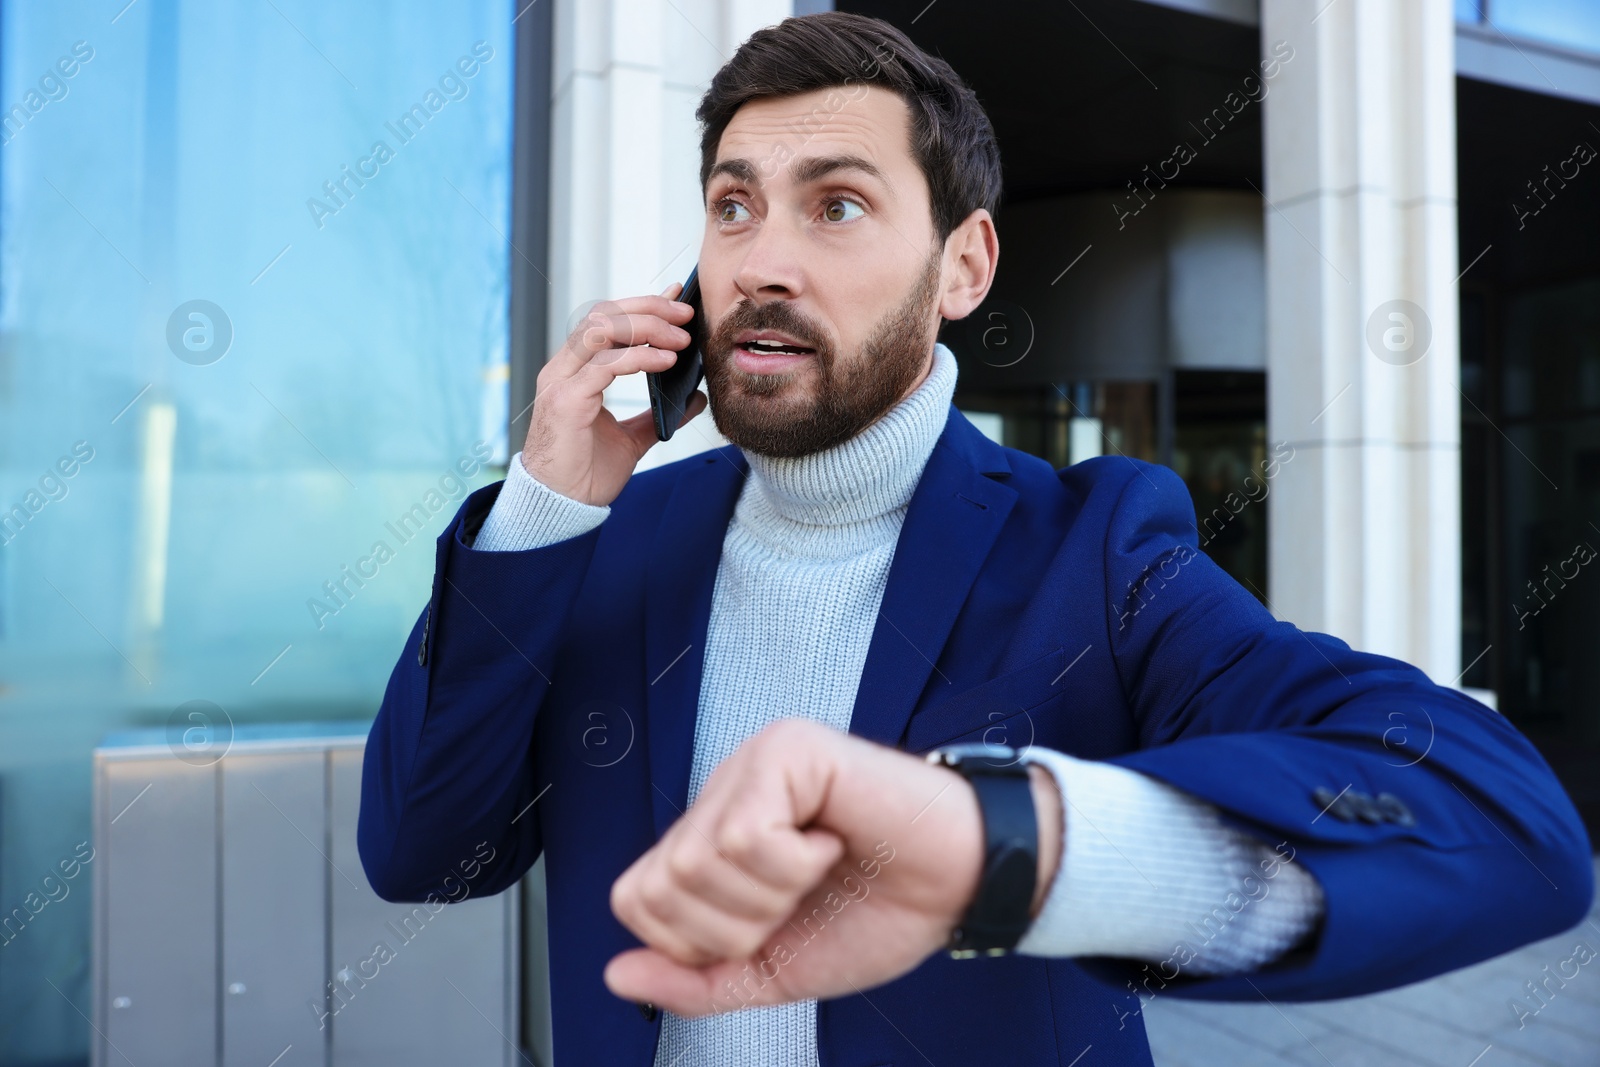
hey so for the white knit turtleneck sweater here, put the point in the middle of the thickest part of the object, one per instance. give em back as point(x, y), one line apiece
point(804, 564)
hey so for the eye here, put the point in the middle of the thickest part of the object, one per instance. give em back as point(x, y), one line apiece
point(836, 210)
point(727, 209)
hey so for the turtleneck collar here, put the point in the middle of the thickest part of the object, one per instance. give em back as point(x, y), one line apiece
point(839, 500)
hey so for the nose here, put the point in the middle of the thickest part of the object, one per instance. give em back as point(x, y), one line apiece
point(771, 267)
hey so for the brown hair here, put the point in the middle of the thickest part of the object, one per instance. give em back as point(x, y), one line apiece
point(951, 138)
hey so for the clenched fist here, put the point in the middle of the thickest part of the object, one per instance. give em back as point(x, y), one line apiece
point(812, 864)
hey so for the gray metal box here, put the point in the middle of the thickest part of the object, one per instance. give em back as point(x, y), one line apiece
point(233, 924)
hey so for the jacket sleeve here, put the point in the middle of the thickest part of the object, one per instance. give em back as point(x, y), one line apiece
point(447, 778)
point(1143, 867)
point(1438, 834)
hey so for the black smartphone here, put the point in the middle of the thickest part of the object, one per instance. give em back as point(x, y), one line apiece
point(671, 389)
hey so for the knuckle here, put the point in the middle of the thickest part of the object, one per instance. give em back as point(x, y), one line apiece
point(606, 357)
point(738, 839)
point(686, 868)
point(657, 896)
point(591, 319)
point(624, 897)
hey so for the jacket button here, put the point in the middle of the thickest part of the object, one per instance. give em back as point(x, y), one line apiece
point(1395, 810)
point(1335, 804)
point(649, 1011)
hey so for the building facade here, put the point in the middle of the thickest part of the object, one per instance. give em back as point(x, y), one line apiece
point(276, 282)
point(1325, 259)
point(1332, 261)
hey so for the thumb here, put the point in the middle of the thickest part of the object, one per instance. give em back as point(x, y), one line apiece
point(697, 403)
point(820, 851)
point(641, 430)
point(644, 975)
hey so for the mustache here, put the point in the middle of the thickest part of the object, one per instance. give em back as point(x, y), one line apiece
point(775, 315)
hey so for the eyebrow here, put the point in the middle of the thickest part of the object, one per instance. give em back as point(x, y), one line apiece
point(810, 169)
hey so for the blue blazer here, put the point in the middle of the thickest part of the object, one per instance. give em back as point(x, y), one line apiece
point(545, 703)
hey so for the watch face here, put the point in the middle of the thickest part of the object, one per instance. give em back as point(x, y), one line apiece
point(991, 756)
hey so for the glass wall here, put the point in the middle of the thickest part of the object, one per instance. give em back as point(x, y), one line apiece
point(1216, 425)
point(1530, 420)
point(1065, 422)
point(1571, 23)
point(253, 332)
point(1550, 390)
point(1220, 449)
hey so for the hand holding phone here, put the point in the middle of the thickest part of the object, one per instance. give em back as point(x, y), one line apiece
point(575, 446)
point(671, 389)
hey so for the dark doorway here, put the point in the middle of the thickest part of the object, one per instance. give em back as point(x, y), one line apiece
point(1220, 449)
point(1085, 97)
point(1530, 376)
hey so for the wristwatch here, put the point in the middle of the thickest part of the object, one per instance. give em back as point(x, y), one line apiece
point(1000, 911)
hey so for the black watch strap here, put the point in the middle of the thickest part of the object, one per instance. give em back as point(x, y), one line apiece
point(1000, 911)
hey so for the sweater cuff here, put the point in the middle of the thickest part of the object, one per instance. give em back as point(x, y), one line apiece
point(1150, 872)
point(529, 514)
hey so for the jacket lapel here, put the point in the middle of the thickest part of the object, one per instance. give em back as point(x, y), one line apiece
point(681, 578)
point(950, 526)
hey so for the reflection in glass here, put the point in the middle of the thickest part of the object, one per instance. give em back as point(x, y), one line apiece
point(253, 303)
point(1572, 23)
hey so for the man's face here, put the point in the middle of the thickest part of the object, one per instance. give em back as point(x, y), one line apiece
point(819, 233)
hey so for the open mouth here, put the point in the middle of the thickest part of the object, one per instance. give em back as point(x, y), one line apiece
point(767, 357)
point(775, 348)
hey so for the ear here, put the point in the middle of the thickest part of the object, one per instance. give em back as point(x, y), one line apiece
point(971, 252)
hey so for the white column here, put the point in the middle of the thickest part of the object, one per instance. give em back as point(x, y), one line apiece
point(625, 212)
point(626, 215)
point(1362, 333)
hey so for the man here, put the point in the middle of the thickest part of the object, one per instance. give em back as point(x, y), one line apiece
point(1199, 801)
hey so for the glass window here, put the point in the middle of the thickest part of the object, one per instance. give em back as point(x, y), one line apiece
point(1550, 457)
point(1573, 23)
point(1220, 449)
point(1219, 445)
point(253, 294)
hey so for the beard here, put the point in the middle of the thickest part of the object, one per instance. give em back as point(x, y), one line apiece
point(774, 414)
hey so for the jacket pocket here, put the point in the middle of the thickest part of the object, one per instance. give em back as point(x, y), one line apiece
point(993, 712)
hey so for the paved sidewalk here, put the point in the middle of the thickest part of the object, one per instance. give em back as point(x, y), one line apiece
point(1456, 1020)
